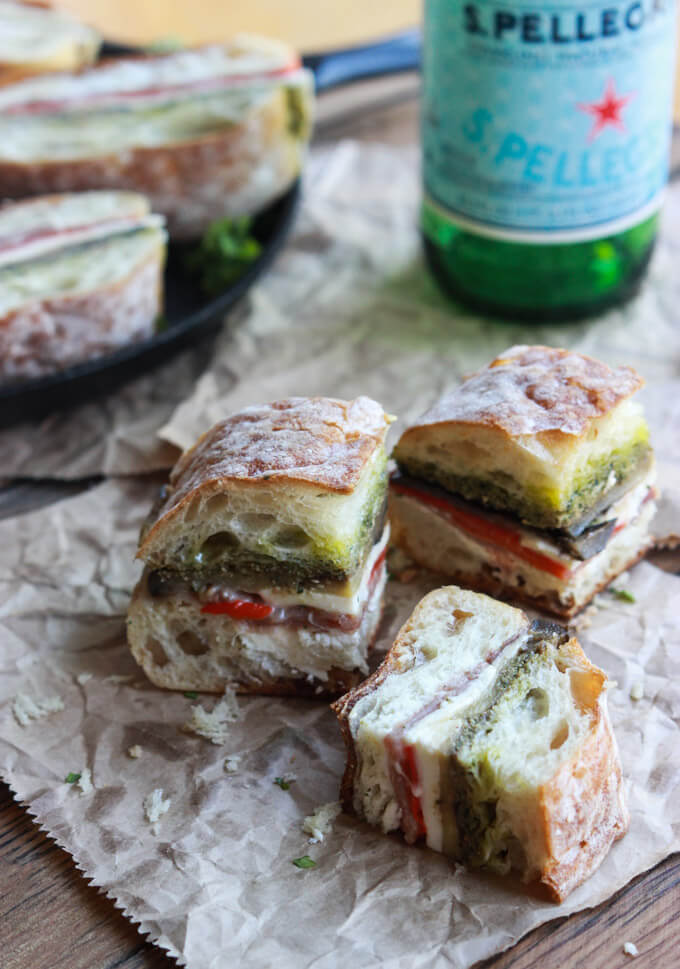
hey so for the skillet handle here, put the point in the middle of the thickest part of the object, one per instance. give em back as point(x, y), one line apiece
point(392, 56)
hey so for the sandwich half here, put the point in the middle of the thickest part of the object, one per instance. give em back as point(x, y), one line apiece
point(533, 481)
point(486, 736)
point(81, 275)
point(36, 38)
point(265, 555)
point(205, 133)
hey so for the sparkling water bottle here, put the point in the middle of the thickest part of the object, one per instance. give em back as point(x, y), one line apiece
point(546, 130)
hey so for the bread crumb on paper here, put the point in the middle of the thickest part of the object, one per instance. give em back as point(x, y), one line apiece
point(213, 725)
point(135, 752)
point(630, 949)
point(155, 806)
point(637, 690)
point(321, 822)
point(26, 708)
point(231, 763)
point(84, 782)
point(83, 678)
point(119, 678)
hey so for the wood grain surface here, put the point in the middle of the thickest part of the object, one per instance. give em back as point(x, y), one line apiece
point(50, 918)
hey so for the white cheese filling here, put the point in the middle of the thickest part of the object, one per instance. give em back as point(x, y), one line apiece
point(350, 604)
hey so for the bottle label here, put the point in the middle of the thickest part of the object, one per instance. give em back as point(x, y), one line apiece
point(547, 121)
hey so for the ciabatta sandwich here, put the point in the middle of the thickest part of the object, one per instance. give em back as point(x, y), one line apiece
point(265, 556)
point(36, 38)
point(533, 481)
point(487, 737)
point(204, 133)
point(81, 275)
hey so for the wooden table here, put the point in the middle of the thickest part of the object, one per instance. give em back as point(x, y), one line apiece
point(51, 919)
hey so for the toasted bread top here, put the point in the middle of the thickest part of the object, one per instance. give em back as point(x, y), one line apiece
point(533, 390)
point(316, 443)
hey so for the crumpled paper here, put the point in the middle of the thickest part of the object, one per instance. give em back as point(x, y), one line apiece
point(216, 885)
point(347, 308)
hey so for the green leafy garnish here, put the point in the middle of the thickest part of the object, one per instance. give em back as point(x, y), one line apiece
point(304, 862)
point(283, 783)
point(223, 254)
point(191, 694)
point(623, 594)
point(72, 778)
point(160, 323)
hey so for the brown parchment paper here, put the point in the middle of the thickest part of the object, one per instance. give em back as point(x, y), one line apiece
point(347, 308)
point(215, 886)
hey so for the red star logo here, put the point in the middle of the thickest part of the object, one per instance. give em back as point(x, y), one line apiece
point(607, 111)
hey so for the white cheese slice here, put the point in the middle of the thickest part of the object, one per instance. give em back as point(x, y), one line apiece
point(350, 603)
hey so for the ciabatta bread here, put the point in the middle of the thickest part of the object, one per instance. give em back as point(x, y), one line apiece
point(204, 133)
point(80, 276)
point(265, 555)
point(542, 433)
point(487, 737)
point(36, 38)
point(534, 481)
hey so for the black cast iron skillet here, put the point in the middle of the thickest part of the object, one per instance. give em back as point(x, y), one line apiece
point(190, 315)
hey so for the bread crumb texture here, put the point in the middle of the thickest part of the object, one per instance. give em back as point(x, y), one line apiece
point(27, 708)
point(320, 823)
point(135, 752)
point(85, 782)
point(155, 806)
point(630, 949)
point(214, 725)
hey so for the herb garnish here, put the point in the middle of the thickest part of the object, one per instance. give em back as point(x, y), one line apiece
point(72, 778)
point(304, 862)
point(283, 783)
point(623, 594)
point(191, 694)
point(223, 254)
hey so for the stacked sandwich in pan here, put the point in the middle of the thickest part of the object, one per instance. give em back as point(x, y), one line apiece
point(202, 134)
point(484, 733)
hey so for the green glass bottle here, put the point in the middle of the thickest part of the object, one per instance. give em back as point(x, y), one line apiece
point(546, 136)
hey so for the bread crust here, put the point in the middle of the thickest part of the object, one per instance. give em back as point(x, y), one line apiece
point(532, 390)
point(311, 442)
point(47, 335)
point(236, 171)
point(581, 809)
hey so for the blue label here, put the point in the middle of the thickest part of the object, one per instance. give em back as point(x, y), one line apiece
point(547, 118)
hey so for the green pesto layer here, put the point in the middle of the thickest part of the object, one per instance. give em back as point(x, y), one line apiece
point(483, 838)
point(540, 507)
point(286, 556)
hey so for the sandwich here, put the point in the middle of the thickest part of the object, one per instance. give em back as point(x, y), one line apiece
point(205, 133)
point(486, 736)
point(80, 275)
point(36, 38)
point(533, 481)
point(265, 555)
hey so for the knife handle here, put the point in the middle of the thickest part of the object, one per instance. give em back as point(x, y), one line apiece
point(391, 56)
